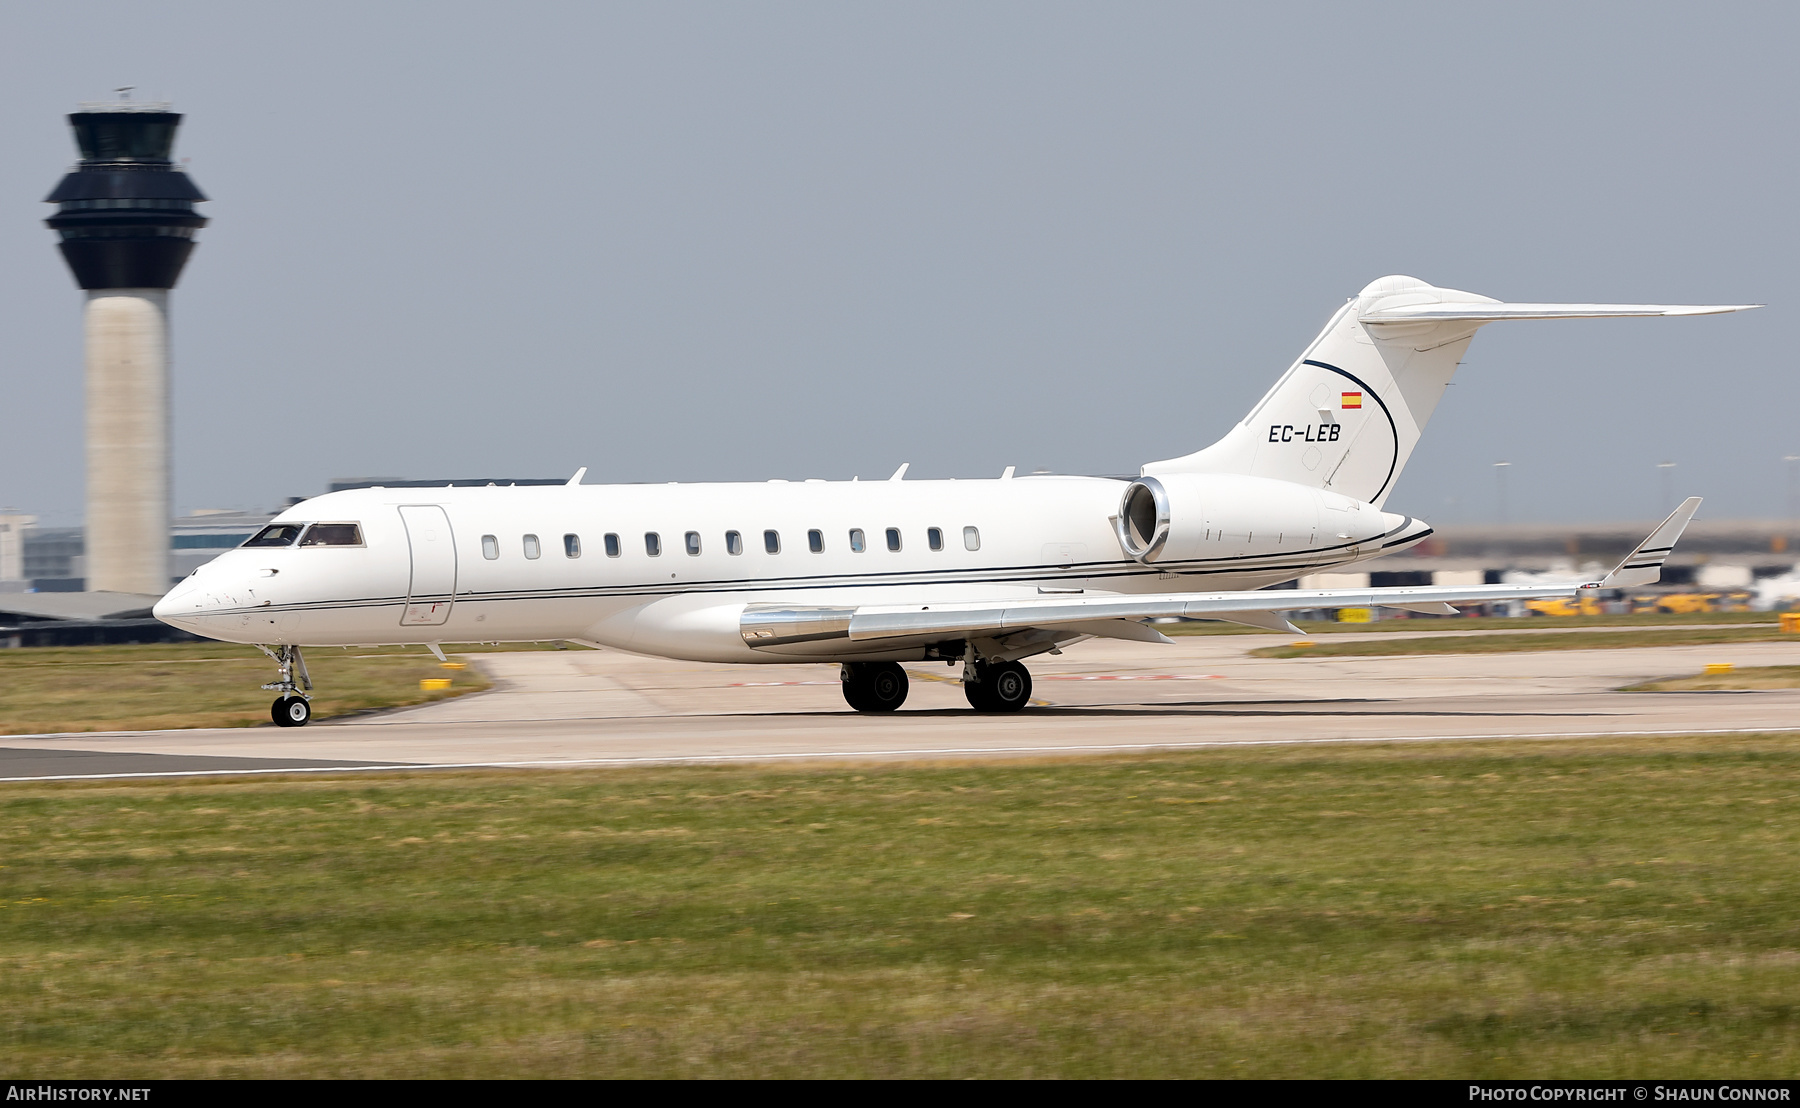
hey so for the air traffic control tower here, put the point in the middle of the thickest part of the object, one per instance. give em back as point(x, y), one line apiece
point(127, 221)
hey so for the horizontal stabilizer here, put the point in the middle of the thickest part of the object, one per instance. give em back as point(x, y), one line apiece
point(1492, 312)
point(1643, 566)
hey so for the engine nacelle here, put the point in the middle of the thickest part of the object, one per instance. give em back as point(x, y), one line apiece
point(1180, 517)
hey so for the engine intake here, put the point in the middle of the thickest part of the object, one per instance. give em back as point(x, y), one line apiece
point(1180, 517)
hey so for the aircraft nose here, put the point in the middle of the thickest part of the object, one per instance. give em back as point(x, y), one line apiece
point(185, 605)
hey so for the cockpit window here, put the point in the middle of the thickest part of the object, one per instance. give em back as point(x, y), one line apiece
point(277, 534)
point(333, 534)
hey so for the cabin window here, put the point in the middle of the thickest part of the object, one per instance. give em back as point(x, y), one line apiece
point(815, 541)
point(490, 547)
point(572, 545)
point(693, 543)
point(772, 541)
point(971, 539)
point(934, 537)
point(612, 545)
point(333, 534)
point(532, 549)
point(858, 543)
point(734, 543)
point(653, 544)
point(893, 537)
point(276, 534)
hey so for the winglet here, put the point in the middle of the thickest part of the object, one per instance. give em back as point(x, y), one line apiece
point(900, 474)
point(1643, 566)
point(579, 474)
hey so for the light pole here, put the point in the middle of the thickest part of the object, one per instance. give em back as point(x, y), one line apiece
point(1500, 469)
point(1668, 483)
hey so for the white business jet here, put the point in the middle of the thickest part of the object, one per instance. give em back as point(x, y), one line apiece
point(869, 574)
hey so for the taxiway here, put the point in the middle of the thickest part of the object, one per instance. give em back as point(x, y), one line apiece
point(582, 707)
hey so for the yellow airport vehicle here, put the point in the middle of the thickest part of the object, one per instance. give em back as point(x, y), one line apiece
point(1567, 606)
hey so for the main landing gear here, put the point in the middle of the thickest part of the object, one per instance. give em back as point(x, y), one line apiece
point(873, 686)
point(990, 686)
point(997, 686)
point(291, 708)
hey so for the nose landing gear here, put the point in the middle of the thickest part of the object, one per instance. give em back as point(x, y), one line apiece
point(291, 708)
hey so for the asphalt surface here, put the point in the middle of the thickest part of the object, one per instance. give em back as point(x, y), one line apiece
point(581, 707)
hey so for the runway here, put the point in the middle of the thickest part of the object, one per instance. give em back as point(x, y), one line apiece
point(586, 707)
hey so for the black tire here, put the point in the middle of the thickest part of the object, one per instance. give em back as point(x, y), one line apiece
point(290, 711)
point(874, 686)
point(1000, 687)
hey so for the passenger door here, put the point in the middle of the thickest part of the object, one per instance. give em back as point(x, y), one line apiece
point(433, 587)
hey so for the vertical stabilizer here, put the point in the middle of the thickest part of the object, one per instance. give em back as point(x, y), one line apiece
point(1347, 414)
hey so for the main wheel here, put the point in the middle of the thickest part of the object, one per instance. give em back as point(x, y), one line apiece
point(874, 686)
point(999, 687)
point(290, 711)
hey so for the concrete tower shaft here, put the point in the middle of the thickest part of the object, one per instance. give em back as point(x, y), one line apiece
point(126, 219)
point(128, 471)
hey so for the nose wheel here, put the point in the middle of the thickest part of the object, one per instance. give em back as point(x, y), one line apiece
point(291, 708)
point(290, 711)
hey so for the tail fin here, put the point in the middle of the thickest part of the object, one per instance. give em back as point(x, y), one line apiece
point(1349, 411)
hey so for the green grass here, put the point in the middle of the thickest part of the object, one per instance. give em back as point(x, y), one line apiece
point(1505, 644)
point(1747, 679)
point(1605, 909)
point(166, 685)
point(1453, 624)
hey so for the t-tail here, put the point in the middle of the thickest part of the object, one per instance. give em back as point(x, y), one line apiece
point(1346, 415)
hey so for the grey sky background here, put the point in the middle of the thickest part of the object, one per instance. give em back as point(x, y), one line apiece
point(741, 241)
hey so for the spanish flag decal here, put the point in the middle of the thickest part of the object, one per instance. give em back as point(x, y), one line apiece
point(1352, 400)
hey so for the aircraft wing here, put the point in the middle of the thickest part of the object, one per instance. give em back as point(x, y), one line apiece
point(892, 621)
point(1117, 616)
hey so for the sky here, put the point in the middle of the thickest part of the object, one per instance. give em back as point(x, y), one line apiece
point(741, 241)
